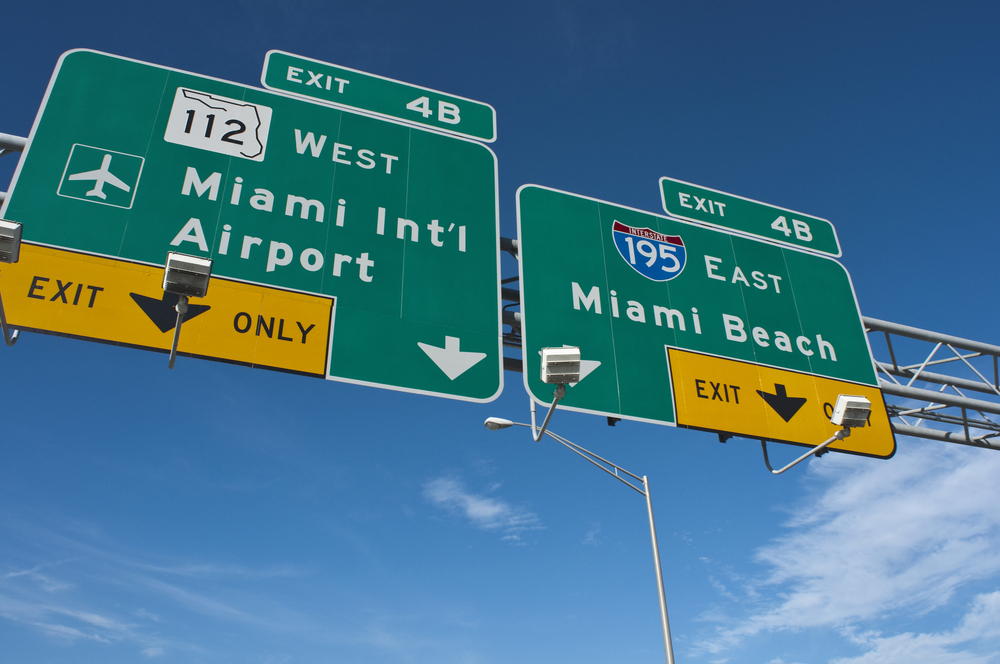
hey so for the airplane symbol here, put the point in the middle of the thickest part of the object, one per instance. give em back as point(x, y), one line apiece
point(101, 177)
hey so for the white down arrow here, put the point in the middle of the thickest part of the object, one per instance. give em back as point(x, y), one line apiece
point(452, 361)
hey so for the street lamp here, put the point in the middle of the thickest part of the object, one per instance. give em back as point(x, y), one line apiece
point(495, 423)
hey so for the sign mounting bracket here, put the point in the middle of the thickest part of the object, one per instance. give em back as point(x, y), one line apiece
point(10, 251)
point(818, 450)
point(9, 337)
point(537, 433)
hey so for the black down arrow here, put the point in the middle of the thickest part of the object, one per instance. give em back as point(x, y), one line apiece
point(162, 311)
point(784, 405)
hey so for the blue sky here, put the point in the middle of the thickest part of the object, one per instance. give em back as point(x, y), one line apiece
point(277, 519)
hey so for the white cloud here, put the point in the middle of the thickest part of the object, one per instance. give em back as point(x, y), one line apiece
point(71, 633)
point(58, 619)
point(907, 648)
point(880, 537)
point(210, 570)
point(200, 603)
point(65, 599)
point(45, 582)
point(721, 588)
point(143, 613)
point(482, 511)
point(981, 622)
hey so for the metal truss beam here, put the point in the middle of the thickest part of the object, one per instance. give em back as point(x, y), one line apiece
point(945, 413)
point(10, 143)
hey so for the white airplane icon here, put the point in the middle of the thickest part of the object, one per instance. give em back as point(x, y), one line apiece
point(100, 177)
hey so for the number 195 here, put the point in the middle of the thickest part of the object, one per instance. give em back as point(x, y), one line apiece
point(648, 250)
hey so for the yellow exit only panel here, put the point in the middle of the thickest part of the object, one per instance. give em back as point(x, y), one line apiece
point(755, 401)
point(79, 295)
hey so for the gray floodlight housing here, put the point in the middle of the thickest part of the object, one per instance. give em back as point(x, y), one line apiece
point(10, 241)
point(494, 423)
point(561, 365)
point(851, 411)
point(187, 275)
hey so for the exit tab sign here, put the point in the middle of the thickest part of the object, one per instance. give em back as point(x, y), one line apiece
point(322, 81)
point(770, 222)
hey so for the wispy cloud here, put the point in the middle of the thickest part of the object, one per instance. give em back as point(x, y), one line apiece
point(590, 538)
point(482, 511)
point(200, 603)
point(152, 606)
point(64, 598)
point(58, 618)
point(209, 570)
point(44, 581)
point(878, 538)
point(71, 633)
point(982, 621)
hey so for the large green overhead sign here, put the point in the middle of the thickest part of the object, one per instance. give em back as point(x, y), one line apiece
point(395, 225)
point(679, 323)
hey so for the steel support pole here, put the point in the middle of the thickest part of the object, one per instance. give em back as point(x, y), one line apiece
point(664, 621)
point(10, 143)
point(536, 433)
point(9, 338)
point(181, 307)
point(599, 462)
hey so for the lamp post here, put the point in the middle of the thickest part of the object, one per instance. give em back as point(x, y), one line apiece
point(612, 469)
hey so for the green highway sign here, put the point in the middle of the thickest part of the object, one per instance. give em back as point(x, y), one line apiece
point(708, 206)
point(683, 324)
point(334, 84)
point(394, 229)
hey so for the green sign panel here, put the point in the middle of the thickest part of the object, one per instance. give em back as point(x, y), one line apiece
point(708, 206)
point(628, 286)
point(399, 225)
point(348, 87)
